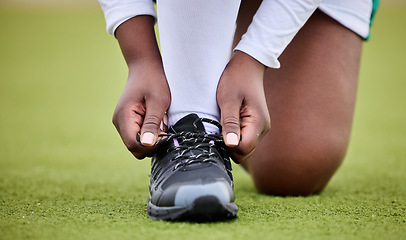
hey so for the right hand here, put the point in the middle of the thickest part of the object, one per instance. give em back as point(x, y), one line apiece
point(244, 113)
point(141, 108)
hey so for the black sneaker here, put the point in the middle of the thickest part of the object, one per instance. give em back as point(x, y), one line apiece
point(191, 176)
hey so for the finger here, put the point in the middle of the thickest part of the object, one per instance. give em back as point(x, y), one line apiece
point(252, 133)
point(240, 158)
point(152, 122)
point(250, 137)
point(128, 124)
point(230, 120)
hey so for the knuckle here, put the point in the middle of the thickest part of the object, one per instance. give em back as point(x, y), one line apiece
point(115, 117)
point(152, 121)
point(132, 146)
point(266, 123)
point(139, 151)
point(240, 155)
point(267, 126)
point(138, 156)
point(231, 122)
point(114, 120)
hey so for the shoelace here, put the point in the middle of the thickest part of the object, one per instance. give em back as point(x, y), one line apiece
point(189, 141)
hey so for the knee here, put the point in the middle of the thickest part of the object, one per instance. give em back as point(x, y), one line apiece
point(296, 171)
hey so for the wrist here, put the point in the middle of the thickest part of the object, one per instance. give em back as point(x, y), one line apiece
point(243, 67)
point(147, 64)
point(246, 61)
point(146, 73)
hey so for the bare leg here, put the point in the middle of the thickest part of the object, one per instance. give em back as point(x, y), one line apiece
point(311, 102)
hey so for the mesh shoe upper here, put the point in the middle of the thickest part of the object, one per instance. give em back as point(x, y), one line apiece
point(189, 164)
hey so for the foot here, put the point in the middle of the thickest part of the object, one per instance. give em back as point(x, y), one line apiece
point(191, 176)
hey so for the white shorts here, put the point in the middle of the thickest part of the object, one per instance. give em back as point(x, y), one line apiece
point(352, 14)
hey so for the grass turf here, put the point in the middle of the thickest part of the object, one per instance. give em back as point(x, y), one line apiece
point(64, 173)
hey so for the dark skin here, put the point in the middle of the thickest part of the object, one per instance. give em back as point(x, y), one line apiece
point(146, 95)
point(241, 98)
point(311, 100)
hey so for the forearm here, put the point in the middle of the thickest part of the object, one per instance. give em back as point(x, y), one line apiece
point(137, 41)
point(146, 95)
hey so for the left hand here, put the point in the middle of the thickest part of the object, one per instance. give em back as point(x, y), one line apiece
point(244, 112)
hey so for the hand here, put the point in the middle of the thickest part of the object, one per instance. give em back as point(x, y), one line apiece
point(141, 108)
point(146, 96)
point(241, 98)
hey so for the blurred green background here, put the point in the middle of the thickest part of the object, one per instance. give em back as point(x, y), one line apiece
point(64, 173)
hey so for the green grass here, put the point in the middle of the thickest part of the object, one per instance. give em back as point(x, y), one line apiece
point(64, 173)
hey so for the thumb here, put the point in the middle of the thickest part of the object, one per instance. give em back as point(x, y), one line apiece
point(230, 119)
point(151, 124)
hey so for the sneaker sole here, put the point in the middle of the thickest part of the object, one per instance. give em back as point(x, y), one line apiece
point(203, 209)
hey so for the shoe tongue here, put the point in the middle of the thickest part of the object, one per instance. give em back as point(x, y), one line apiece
point(186, 124)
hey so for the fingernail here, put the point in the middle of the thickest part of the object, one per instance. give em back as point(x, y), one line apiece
point(232, 139)
point(147, 138)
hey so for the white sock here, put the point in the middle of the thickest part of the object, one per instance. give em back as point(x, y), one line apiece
point(196, 41)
